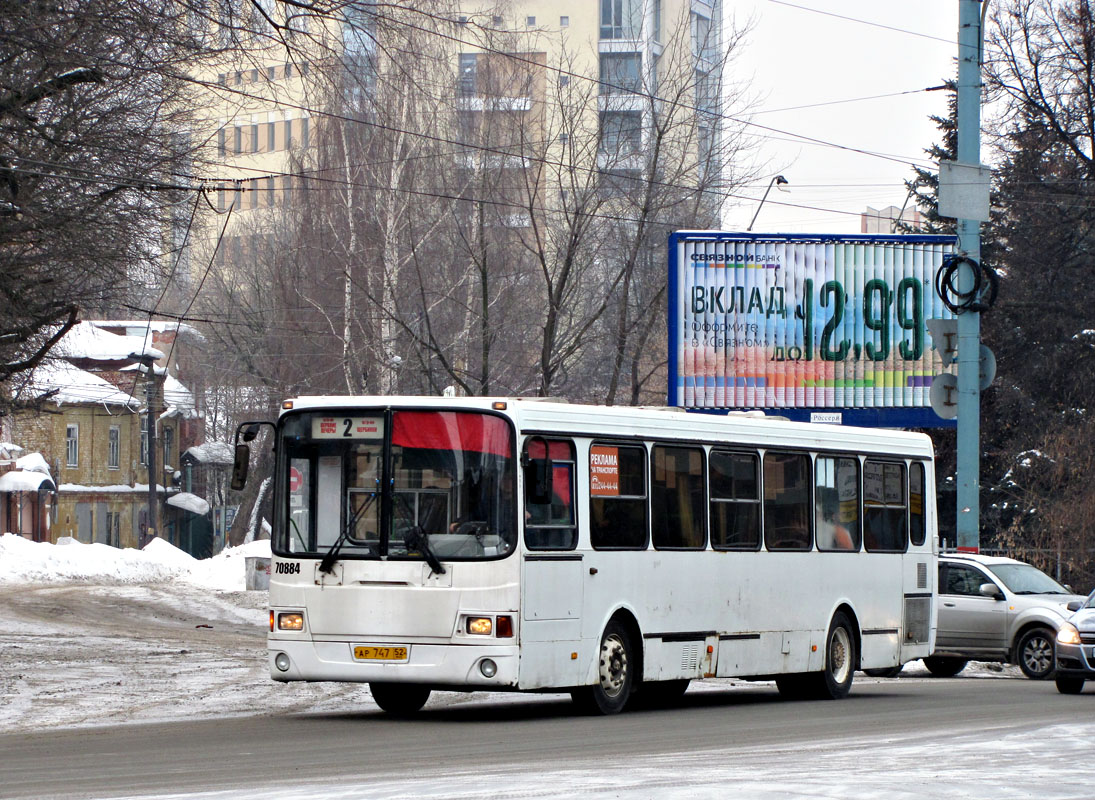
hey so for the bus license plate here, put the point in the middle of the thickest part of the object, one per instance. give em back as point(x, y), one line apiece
point(375, 652)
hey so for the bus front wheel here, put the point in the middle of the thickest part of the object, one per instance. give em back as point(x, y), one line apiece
point(399, 699)
point(615, 674)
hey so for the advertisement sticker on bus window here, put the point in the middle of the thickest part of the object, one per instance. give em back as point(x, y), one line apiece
point(604, 471)
point(347, 427)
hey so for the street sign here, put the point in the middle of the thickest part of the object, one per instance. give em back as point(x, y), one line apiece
point(944, 333)
point(988, 367)
point(944, 395)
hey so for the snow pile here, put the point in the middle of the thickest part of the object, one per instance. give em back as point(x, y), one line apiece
point(69, 561)
point(32, 462)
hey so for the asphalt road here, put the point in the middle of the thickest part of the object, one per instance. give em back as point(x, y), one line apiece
point(364, 744)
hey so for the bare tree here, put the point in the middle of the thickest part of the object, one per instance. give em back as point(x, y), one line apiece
point(91, 103)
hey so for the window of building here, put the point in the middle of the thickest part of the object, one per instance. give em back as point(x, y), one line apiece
point(621, 19)
point(221, 143)
point(269, 192)
point(466, 79)
point(222, 79)
point(530, 22)
point(617, 497)
point(564, 80)
point(72, 445)
point(786, 501)
point(272, 73)
point(254, 137)
point(885, 510)
point(564, 138)
point(304, 131)
point(677, 498)
point(704, 37)
point(271, 137)
point(621, 132)
point(552, 525)
point(496, 21)
point(287, 71)
point(735, 500)
point(237, 140)
point(917, 529)
point(288, 134)
point(836, 503)
point(621, 72)
point(144, 441)
point(564, 22)
point(168, 447)
point(114, 448)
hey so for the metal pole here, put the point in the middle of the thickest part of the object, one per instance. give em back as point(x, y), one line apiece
point(969, 322)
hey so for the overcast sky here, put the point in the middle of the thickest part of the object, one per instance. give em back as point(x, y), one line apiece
point(796, 57)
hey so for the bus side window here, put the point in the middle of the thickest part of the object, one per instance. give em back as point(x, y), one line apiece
point(836, 503)
point(786, 501)
point(617, 497)
point(552, 525)
point(885, 510)
point(677, 498)
point(735, 500)
point(917, 528)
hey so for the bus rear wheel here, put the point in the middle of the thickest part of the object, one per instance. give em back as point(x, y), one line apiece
point(615, 674)
point(835, 680)
point(400, 699)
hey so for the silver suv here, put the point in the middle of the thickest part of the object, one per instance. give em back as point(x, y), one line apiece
point(997, 609)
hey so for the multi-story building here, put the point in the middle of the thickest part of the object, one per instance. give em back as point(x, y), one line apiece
point(90, 429)
point(885, 220)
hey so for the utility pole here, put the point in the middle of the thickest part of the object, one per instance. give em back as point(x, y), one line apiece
point(148, 368)
point(968, 523)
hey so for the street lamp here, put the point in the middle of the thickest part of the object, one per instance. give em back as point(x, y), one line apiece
point(779, 180)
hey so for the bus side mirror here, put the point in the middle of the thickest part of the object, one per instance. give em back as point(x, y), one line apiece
point(239, 466)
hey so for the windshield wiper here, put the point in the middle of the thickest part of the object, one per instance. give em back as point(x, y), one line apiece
point(327, 565)
point(417, 539)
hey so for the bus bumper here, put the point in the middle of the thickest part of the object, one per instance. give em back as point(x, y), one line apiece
point(430, 664)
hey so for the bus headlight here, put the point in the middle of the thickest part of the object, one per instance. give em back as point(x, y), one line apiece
point(480, 626)
point(281, 661)
point(488, 668)
point(293, 621)
point(1068, 634)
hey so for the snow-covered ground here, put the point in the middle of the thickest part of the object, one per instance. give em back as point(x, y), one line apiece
point(96, 635)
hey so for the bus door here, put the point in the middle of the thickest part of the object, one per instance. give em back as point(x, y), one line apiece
point(551, 579)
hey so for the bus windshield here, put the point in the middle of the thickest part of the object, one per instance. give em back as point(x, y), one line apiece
point(396, 484)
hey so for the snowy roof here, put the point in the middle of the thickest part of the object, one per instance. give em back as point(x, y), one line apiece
point(74, 385)
point(19, 481)
point(9, 450)
point(217, 453)
point(137, 327)
point(87, 341)
point(33, 462)
point(189, 502)
point(176, 394)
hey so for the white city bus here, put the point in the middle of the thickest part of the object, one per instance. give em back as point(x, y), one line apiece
point(509, 544)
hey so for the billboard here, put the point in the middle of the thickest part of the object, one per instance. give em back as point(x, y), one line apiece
point(821, 328)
